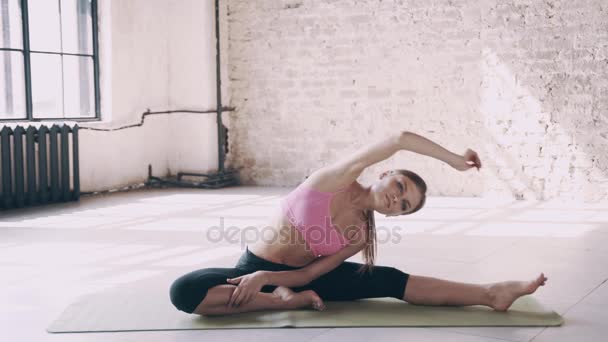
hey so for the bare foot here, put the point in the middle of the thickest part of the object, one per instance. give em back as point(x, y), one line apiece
point(505, 293)
point(284, 292)
point(308, 298)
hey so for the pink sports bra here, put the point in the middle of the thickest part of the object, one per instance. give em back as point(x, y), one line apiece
point(308, 210)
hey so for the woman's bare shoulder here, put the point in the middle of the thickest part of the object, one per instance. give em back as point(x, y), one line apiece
point(326, 180)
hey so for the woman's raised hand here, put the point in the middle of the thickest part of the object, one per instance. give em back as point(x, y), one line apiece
point(248, 286)
point(469, 160)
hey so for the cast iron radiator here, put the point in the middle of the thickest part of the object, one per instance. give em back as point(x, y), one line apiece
point(35, 165)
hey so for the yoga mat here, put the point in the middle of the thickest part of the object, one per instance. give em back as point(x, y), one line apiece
point(142, 307)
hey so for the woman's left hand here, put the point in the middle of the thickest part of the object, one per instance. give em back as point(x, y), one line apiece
point(468, 160)
point(248, 286)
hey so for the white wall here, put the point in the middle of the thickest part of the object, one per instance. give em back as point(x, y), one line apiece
point(134, 77)
point(192, 84)
point(157, 55)
point(525, 83)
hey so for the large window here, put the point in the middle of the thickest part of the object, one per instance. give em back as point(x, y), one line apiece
point(48, 60)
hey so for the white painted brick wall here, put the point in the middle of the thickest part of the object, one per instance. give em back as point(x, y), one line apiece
point(525, 83)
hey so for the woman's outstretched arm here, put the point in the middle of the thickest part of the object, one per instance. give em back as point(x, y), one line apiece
point(348, 169)
point(419, 144)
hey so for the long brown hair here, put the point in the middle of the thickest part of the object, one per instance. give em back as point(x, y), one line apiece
point(369, 251)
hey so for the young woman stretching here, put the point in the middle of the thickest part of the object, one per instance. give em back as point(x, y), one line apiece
point(324, 221)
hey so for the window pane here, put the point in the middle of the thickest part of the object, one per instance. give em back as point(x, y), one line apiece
point(12, 85)
point(44, 25)
point(79, 93)
point(76, 25)
point(47, 98)
point(10, 24)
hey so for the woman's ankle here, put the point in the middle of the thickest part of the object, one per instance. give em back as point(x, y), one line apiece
point(489, 296)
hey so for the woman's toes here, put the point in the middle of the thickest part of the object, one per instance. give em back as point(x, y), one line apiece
point(318, 306)
point(316, 301)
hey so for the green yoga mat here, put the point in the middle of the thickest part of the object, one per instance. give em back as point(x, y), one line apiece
point(140, 308)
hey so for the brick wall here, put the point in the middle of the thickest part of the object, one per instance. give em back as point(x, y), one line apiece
point(524, 83)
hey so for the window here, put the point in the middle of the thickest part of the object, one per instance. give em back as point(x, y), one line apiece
point(49, 65)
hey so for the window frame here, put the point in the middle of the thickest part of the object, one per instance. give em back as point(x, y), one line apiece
point(27, 66)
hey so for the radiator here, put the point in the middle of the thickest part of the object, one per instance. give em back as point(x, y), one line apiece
point(37, 167)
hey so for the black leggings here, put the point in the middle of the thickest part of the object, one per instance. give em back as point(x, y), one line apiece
point(340, 284)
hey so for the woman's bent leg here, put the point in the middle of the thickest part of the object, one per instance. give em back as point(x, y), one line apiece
point(189, 290)
point(207, 292)
point(216, 300)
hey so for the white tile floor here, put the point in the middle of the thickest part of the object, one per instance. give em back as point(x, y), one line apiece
point(51, 255)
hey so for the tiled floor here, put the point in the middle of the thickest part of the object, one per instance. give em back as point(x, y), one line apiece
point(51, 255)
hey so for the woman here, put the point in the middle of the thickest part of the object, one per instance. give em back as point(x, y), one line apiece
point(324, 221)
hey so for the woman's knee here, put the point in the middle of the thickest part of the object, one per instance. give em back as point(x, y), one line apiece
point(181, 294)
point(189, 290)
